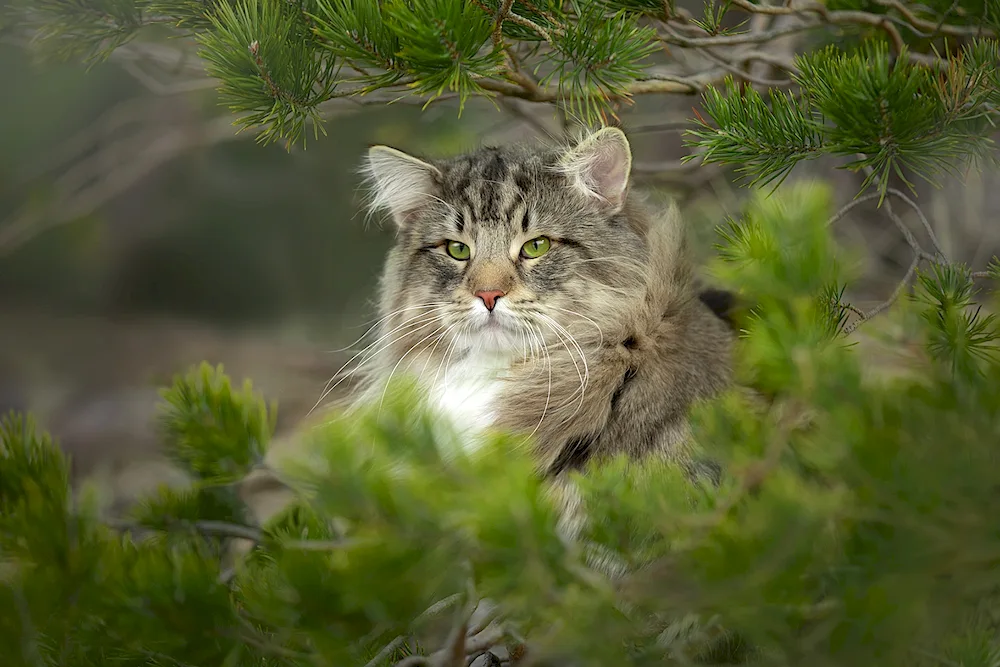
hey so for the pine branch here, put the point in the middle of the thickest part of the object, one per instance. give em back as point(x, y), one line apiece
point(767, 140)
point(893, 298)
point(900, 118)
point(597, 57)
point(845, 17)
point(845, 502)
point(279, 64)
point(919, 253)
point(86, 29)
point(272, 71)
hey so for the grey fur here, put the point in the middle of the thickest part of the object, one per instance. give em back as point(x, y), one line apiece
point(617, 279)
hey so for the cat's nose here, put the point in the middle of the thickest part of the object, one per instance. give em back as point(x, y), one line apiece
point(490, 297)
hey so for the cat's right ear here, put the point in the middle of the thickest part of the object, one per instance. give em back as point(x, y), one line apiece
point(399, 183)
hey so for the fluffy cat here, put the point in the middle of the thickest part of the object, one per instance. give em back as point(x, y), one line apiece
point(530, 290)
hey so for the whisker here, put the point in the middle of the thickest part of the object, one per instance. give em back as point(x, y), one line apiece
point(582, 317)
point(375, 323)
point(440, 415)
point(548, 322)
point(401, 359)
point(430, 353)
point(452, 346)
point(373, 353)
point(548, 394)
point(584, 375)
point(368, 353)
point(525, 351)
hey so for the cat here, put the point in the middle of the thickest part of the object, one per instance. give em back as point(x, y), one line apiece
point(529, 289)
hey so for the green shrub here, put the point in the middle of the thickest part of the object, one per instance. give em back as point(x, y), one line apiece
point(855, 523)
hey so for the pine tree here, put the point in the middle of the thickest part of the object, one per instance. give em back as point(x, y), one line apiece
point(855, 522)
point(894, 87)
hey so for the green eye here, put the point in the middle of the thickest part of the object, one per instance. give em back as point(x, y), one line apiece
point(535, 248)
point(458, 250)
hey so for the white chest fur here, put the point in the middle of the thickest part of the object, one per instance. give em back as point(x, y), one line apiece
point(466, 394)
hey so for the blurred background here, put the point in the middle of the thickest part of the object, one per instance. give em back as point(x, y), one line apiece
point(139, 234)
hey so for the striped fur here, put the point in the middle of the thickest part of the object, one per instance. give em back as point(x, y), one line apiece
point(598, 347)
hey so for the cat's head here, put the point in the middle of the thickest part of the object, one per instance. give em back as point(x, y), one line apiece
point(502, 245)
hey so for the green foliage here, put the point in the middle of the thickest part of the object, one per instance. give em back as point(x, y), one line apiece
point(597, 56)
point(184, 508)
point(994, 269)
point(713, 16)
point(462, 28)
point(959, 333)
point(854, 523)
point(215, 433)
point(87, 29)
point(902, 90)
point(33, 486)
point(656, 8)
point(902, 118)
point(889, 114)
point(270, 71)
point(768, 140)
point(356, 32)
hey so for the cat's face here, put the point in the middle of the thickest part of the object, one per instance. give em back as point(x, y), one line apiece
point(500, 248)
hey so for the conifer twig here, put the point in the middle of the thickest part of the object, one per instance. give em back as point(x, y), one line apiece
point(918, 251)
point(861, 17)
point(679, 85)
point(896, 192)
point(237, 532)
point(885, 305)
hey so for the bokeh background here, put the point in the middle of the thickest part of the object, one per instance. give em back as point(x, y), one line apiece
point(139, 234)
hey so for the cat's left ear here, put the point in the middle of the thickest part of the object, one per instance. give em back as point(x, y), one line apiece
point(599, 166)
point(400, 184)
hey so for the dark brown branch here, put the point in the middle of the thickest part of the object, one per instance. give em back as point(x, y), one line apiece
point(513, 17)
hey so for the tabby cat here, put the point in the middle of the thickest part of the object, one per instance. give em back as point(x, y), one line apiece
point(530, 290)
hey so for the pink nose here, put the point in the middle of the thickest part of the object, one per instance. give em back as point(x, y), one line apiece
point(490, 297)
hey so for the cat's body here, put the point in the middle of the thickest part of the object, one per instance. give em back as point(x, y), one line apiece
point(530, 291)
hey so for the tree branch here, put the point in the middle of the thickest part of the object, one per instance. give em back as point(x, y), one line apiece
point(919, 253)
point(923, 219)
point(885, 305)
point(863, 18)
point(932, 27)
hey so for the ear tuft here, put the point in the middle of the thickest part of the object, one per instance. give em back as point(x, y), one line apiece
point(599, 166)
point(399, 183)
